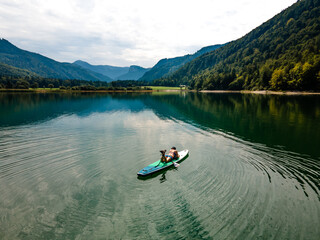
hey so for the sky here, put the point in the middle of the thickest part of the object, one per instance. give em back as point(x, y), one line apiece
point(124, 32)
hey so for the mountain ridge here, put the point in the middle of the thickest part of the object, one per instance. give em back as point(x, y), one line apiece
point(133, 72)
point(44, 66)
point(26, 63)
point(111, 71)
point(167, 66)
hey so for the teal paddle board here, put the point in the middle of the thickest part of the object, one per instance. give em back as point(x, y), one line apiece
point(158, 165)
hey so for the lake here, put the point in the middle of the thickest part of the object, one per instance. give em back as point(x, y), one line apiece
point(69, 163)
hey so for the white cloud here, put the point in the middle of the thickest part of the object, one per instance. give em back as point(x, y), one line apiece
point(125, 32)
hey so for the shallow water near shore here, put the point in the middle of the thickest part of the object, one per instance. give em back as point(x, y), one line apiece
point(69, 163)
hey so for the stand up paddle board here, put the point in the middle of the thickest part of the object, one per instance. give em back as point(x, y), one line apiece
point(158, 165)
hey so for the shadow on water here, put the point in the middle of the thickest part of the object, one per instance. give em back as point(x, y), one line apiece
point(163, 173)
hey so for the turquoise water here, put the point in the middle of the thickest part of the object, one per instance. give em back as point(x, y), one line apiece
point(69, 163)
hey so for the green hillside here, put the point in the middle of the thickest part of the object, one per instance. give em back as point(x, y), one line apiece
point(6, 70)
point(167, 66)
point(43, 66)
point(281, 54)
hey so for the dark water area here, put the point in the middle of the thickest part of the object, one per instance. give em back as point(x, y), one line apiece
point(68, 165)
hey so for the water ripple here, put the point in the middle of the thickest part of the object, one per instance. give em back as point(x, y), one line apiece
point(75, 178)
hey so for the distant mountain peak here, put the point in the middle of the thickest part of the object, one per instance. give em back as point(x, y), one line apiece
point(133, 72)
point(7, 47)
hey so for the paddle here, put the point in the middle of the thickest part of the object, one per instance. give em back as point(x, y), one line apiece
point(175, 164)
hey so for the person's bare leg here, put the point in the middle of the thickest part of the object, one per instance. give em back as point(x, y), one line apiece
point(163, 157)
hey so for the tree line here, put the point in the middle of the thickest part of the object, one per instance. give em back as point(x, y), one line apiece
point(26, 82)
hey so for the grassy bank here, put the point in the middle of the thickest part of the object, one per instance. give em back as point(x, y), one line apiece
point(163, 88)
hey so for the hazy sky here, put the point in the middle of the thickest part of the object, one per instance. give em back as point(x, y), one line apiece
point(124, 32)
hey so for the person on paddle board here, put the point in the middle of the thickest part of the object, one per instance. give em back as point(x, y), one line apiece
point(173, 154)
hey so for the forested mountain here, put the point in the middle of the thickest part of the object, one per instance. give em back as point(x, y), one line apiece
point(134, 73)
point(281, 54)
point(116, 73)
point(167, 66)
point(43, 66)
point(6, 70)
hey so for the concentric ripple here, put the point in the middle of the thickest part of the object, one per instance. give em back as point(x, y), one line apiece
point(74, 177)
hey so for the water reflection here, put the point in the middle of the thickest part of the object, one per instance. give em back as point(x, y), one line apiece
point(281, 132)
point(68, 166)
point(266, 123)
point(290, 122)
point(163, 178)
point(25, 108)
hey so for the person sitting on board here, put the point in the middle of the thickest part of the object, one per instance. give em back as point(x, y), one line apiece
point(173, 154)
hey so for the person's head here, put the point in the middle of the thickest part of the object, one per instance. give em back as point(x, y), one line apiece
point(174, 148)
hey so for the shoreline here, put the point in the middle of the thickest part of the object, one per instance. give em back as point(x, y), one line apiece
point(262, 92)
point(69, 91)
point(39, 90)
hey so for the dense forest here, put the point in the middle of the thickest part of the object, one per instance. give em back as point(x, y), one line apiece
point(26, 82)
point(14, 82)
point(281, 54)
point(7, 70)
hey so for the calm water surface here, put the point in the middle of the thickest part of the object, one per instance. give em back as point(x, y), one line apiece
point(68, 166)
